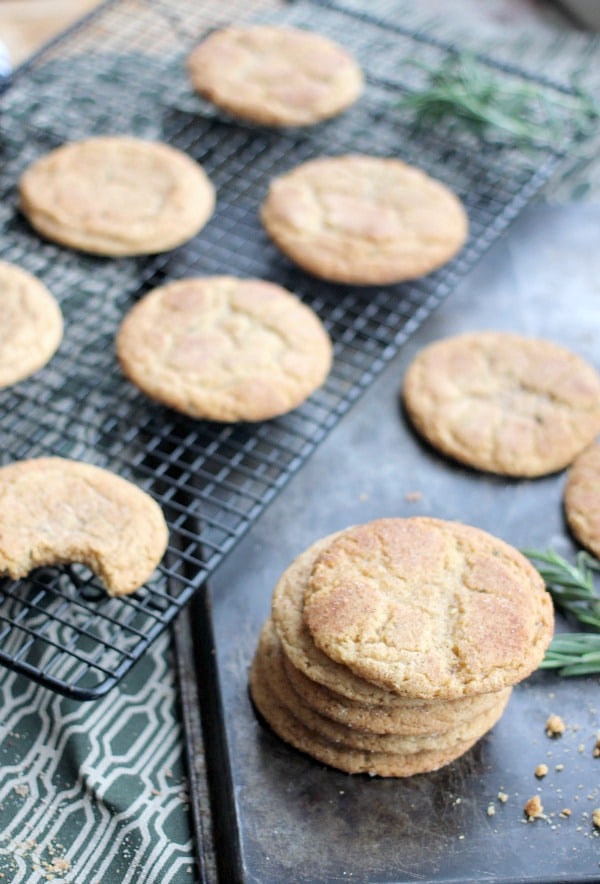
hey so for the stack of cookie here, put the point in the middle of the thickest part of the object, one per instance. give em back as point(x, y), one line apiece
point(393, 646)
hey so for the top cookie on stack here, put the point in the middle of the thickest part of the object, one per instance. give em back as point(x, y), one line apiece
point(401, 627)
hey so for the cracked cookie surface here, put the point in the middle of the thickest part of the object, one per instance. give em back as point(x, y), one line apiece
point(224, 349)
point(364, 220)
point(582, 499)
point(57, 511)
point(275, 76)
point(117, 196)
point(503, 403)
point(31, 324)
point(428, 608)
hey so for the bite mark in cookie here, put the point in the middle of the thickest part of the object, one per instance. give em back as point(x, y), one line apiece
point(57, 511)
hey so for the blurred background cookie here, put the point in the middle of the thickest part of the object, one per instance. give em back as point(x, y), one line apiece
point(582, 498)
point(364, 220)
point(224, 349)
point(502, 402)
point(275, 75)
point(117, 196)
point(31, 324)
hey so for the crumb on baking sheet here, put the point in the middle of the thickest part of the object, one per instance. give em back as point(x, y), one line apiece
point(503, 797)
point(541, 771)
point(565, 812)
point(491, 810)
point(596, 749)
point(596, 817)
point(555, 726)
point(534, 808)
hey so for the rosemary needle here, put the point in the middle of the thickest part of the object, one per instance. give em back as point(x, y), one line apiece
point(572, 589)
point(464, 89)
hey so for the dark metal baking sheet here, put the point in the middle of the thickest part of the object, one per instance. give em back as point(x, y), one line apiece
point(280, 816)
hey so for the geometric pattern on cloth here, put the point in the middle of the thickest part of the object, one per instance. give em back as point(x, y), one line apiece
point(96, 792)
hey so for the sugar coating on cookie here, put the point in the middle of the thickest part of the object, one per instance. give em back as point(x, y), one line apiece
point(117, 196)
point(428, 608)
point(364, 220)
point(275, 75)
point(503, 403)
point(224, 349)
point(31, 324)
point(58, 511)
point(582, 498)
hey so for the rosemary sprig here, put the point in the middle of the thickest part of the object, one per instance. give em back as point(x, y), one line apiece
point(573, 589)
point(466, 90)
point(576, 653)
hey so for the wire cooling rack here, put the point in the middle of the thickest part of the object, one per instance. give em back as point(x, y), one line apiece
point(122, 71)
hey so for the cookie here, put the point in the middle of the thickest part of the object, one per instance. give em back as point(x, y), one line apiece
point(408, 717)
point(375, 763)
point(287, 611)
point(428, 608)
point(363, 220)
point(275, 75)
point(31, 324)
point(56, 511)
point(271, 659)
point(117, 196)
point(581, 499)
point(224, 349)
point(503, 403)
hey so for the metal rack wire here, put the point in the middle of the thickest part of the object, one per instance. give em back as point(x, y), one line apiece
point(122, 71)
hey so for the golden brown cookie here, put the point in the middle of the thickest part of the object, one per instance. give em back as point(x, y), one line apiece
point(428, 608)
point(341, 733)
point(275, 75)
point(582, 499)
point(56, 511)
point(399, 716)
point(298, 645)
point(364, 220)
point(503, 403)
point(224, 349)
point(31, 324)
point(117, 196)
point(386, 764)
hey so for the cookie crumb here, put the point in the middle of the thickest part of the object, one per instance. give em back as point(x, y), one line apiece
point(559, 767)
point(555, 726)
point(596, 817)
point(534, 808)
point(491, 810)
point(596, 749)
point(541, 771)
point(503, 797)
point(565, 812)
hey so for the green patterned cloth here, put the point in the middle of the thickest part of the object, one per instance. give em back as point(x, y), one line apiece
point(97, 792)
